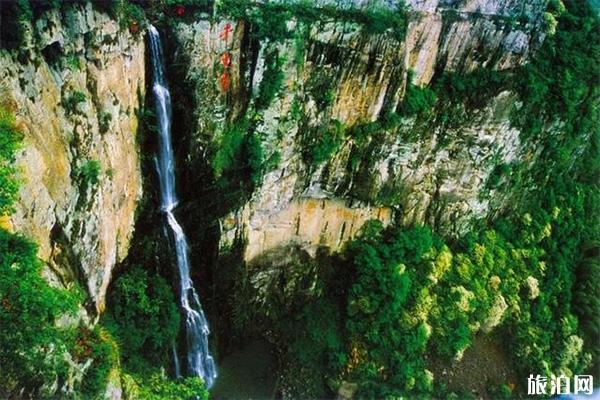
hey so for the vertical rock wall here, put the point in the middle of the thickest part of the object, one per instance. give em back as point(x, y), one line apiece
point(75, 88)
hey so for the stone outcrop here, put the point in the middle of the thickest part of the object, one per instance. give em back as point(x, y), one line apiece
point(75, 88)
point(307, 222)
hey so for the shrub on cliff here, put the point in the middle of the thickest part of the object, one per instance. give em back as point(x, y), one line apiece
point(323, 143)
point(10, 140)
point(71, 101)
point(88, 174)
point(238, 162)
point(272, 80)
point(416, 99)
point(227, 158)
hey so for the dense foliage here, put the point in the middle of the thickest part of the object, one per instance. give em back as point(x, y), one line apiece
point(238, 162)
point(31, 345)
point(410, 295)
point(143, 316)
point(10, 139)
point(156, 386)
point(144, 320)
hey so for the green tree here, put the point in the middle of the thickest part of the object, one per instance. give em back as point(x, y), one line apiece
point(143, 316)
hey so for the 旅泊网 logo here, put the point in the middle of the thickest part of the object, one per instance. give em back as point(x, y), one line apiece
point(557, 385)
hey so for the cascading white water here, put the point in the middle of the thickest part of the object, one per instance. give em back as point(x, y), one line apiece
point(199, 361)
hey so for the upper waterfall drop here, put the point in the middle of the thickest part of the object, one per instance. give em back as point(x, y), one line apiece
point(199, 361)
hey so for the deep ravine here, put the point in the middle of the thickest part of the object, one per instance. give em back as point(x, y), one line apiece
point(199, 361)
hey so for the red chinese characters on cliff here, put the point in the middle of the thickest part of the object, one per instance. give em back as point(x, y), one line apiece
point(225, 81)
point(227, 29)
point(225, 77)
point(226, 59)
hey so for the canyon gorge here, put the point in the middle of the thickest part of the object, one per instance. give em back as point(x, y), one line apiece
point(301, 131)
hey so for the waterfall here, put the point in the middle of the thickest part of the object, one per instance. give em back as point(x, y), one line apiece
point(199, 361)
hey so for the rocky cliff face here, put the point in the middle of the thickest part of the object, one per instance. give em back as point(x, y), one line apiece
point(76, 85)
point(430, 169)
point(75, 88)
